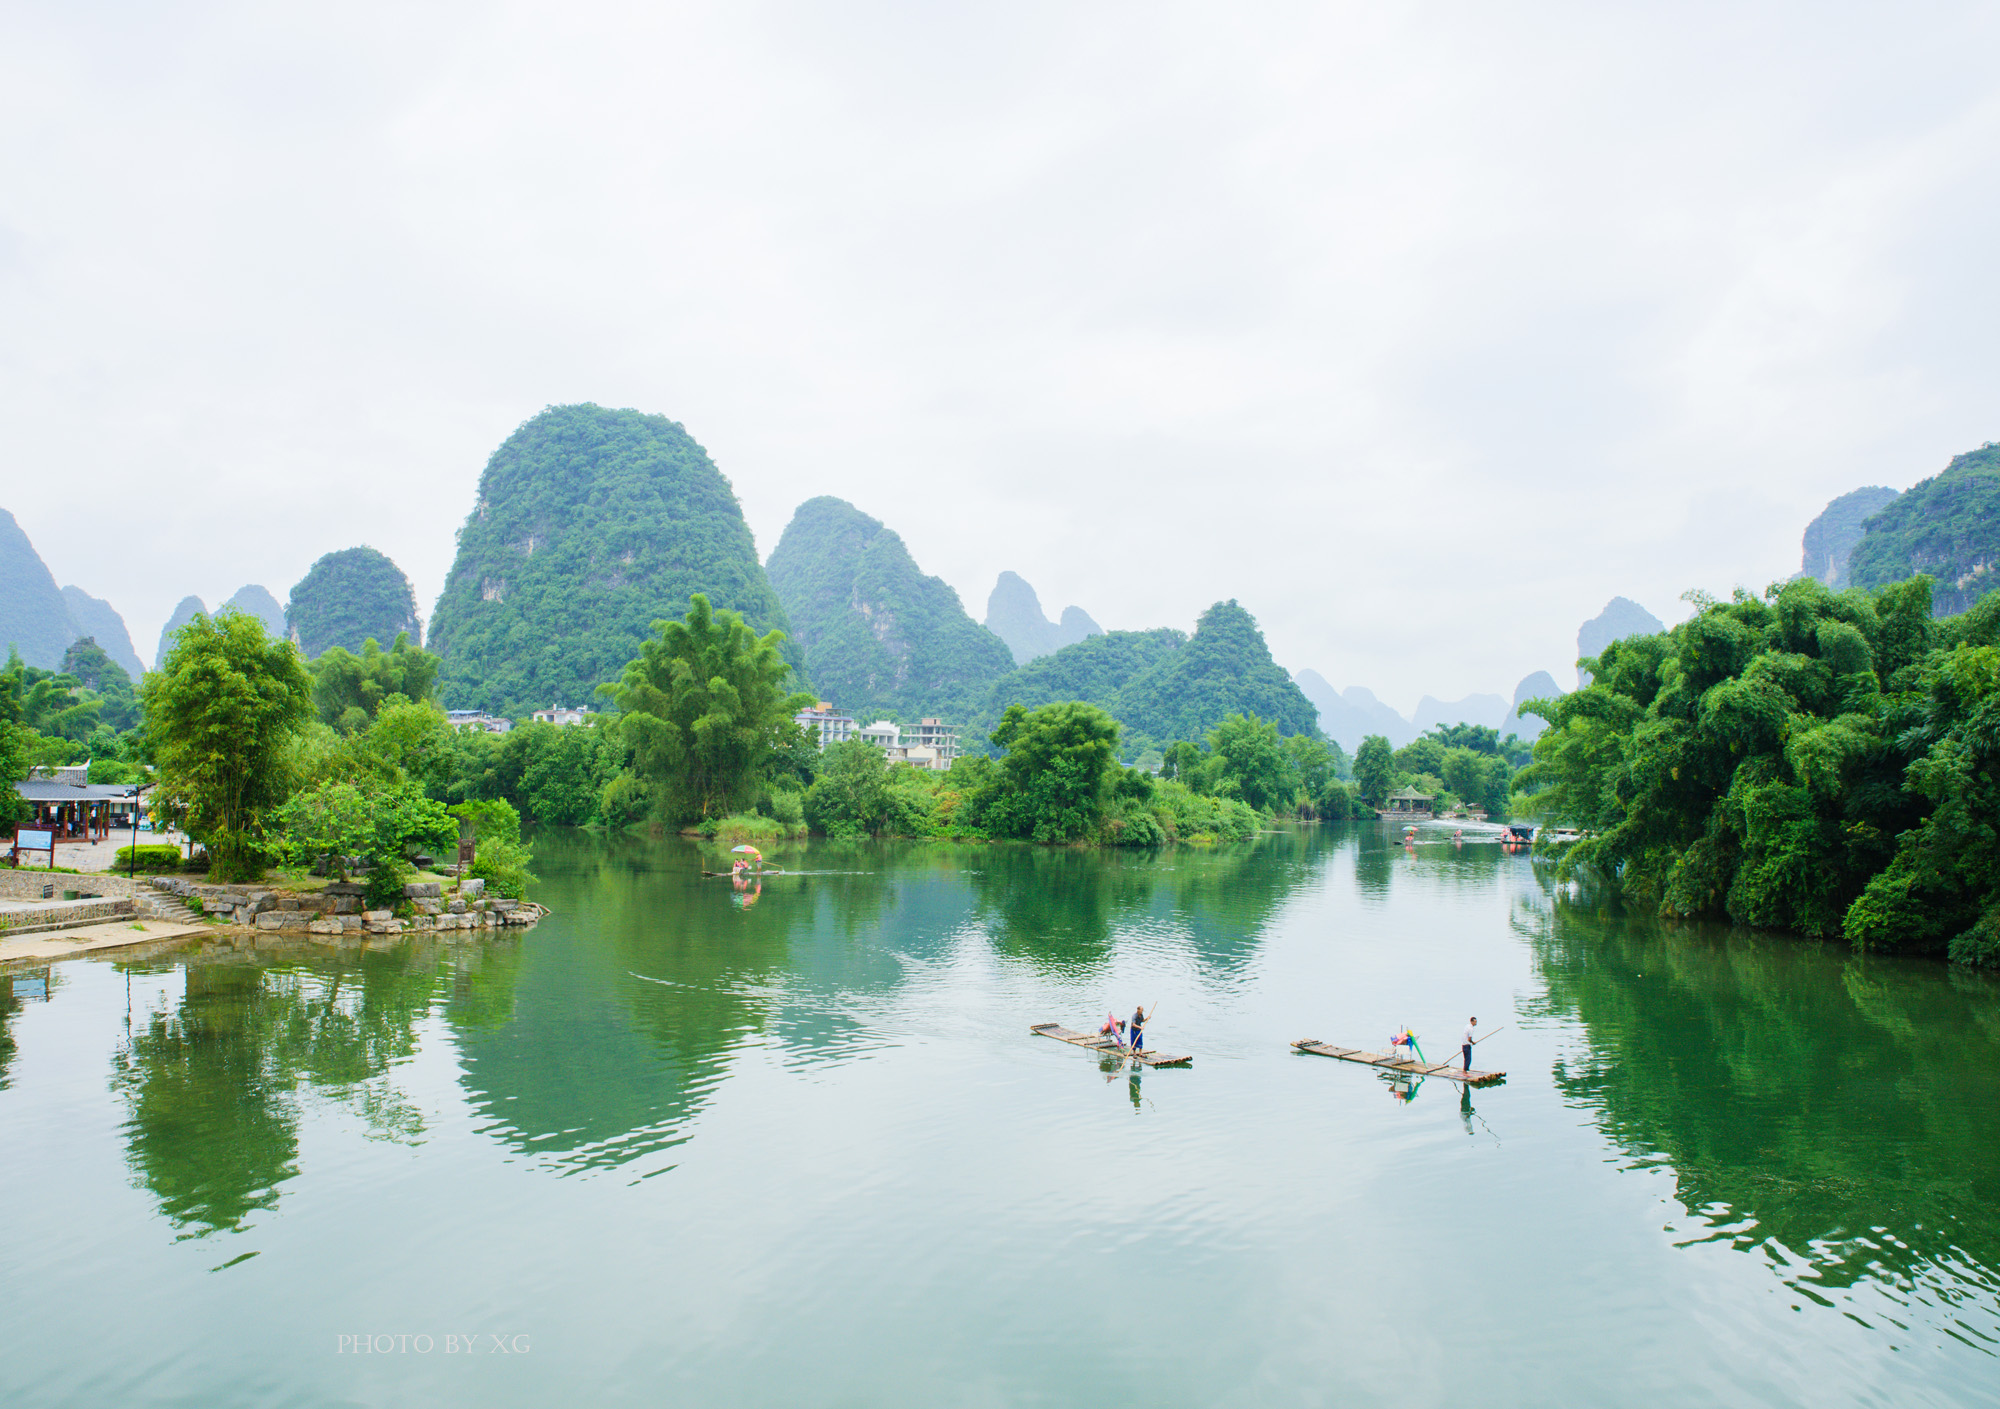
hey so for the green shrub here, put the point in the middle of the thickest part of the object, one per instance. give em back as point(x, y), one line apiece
point(748, 827)
point(382, 886)
point(624, 801)
point(153, 859)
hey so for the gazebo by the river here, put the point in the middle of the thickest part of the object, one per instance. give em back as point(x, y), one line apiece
point(1407, 803)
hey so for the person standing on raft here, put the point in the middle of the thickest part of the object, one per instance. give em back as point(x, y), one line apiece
point(1471, 1036)
point(1138, 1038)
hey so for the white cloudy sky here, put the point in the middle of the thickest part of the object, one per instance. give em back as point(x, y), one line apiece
point(1420, 329)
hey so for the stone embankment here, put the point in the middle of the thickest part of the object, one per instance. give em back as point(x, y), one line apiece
point(338, 909)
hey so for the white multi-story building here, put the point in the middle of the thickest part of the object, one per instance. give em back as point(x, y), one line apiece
point(831, 726)
point(884, 734)
point(556, 714)
point(936, 735)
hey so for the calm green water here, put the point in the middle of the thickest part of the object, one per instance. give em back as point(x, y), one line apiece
point(667, 1149)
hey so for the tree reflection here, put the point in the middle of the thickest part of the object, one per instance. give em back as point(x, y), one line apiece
point(211, 1084)
point(1845, 1110)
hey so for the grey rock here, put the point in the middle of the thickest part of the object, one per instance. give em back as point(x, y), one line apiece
point(423, 890)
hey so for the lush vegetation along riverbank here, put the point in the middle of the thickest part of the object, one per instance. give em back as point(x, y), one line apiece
point(1822, 762)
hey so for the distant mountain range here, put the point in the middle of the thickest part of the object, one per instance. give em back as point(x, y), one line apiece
point(1014, 614)
point(40, 620)
point(1620, 618)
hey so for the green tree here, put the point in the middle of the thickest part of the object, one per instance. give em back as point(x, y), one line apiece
point(105, 679)
point(1478, 779)
point(563, 783)
point(1375, 769)
point(1056, 770)
point(859, 793)
point(348, 689)
point(16, 753)
point(704, 712)
point(222, 711)
point(1252, 761)
point(1183, 762)
point(499, 858)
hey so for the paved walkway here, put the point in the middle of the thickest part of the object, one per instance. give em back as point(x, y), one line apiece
point(103, 855)
point(85, 939)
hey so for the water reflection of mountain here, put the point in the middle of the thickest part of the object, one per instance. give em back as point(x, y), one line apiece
point(1846, 1111)
point(633, 998)
point(211, 1083)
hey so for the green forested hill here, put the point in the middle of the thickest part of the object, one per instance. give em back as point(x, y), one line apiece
point(346, 598)
point(879, 636)
point(590, 525)
point(1093, 670)
point(1947, 527)
point(1224, 669)
point(1163, 685)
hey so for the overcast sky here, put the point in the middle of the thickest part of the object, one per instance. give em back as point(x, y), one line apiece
point(1422, 330)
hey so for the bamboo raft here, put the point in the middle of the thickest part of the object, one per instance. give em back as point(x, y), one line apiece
point(1388, 1062)
point(1097, 1043)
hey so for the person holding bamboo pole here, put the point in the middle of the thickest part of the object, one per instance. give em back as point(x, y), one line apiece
point(1471, 1036)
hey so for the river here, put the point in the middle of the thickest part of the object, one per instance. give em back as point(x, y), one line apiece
point(673, 1148)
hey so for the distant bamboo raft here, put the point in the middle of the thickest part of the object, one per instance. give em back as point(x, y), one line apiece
point(1387, 1062)
point(1098, 1043)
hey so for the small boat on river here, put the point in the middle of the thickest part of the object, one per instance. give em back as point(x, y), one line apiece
point(1389, 1062)
point(1097, 1043)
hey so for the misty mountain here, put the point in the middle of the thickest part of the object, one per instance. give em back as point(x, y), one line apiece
point(187, 611)
point(1014, 614)
point(1487, 711)
point(879, 637)
point(590, 524)
point(1830, 538)
point(98, 619)
point(1351, 715)
point(34, 619)
point(1539, 686)
point(1620, 618)
point(253, 600)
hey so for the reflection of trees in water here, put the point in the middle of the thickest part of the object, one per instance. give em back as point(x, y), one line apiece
point(10, 1008)
point(627, 1001)
point(1846, 1110)
point(1061, 909)
point(211, 1084)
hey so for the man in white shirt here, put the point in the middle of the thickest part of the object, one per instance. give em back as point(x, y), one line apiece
point(1471, 1036)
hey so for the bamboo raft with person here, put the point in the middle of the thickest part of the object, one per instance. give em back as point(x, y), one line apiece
point(1389, 1062)
point(1098, 1042)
